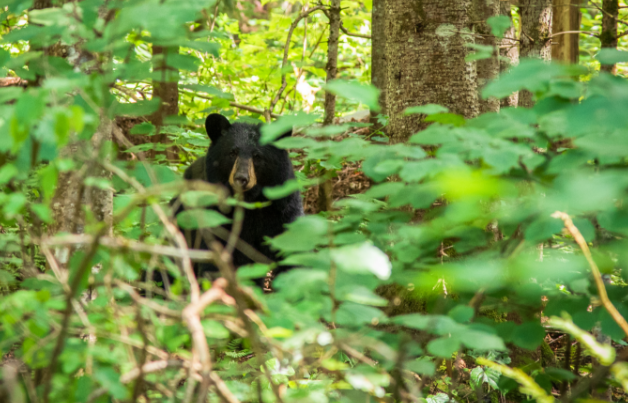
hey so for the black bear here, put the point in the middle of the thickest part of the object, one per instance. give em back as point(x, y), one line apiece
point(237, 160)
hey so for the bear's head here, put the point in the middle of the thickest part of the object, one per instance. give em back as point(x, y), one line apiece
point(236, 159)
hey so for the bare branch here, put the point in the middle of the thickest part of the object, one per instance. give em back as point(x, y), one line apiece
point(599, 282)
point(284, 63)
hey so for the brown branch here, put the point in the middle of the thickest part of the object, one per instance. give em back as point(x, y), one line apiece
point(191, 315)
point(147, 368)
point(234, 104)
point(174, 232)
point(573, 32)
point(76, 281)
point(345, 31)
point(148, 302)
point(286, 49)
point(599, 282)
point(129, 244)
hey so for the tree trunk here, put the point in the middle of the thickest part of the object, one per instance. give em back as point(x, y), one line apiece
point(608, 37)
point(325, 196)
point(566, 17)
point(425, 51)
point(487, 69)
point(509, 50)
point(166, 88)
point(332, 59)
point(378, 51)
point(536, 29)
point(72, 195)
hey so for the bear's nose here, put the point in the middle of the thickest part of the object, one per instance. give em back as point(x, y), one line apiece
point(241, 181)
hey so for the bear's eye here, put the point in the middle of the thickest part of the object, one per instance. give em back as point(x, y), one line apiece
point(234, 152)
point(257, 155)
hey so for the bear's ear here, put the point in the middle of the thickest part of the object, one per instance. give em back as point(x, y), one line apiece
point(216, 125)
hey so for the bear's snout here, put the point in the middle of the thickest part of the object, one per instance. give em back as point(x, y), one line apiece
point(242, 177)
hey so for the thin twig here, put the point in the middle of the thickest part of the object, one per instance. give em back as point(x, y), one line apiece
point(284, 63)
point(234, 104)
point(191, 315)
point(174, 232)
point(599, 282)
point(76, 281)
point(148, 302)
point(129, 244)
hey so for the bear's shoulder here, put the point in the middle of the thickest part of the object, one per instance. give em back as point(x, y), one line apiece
point(196, 170)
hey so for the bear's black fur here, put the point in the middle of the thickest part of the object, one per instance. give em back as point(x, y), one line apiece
point(235, 158)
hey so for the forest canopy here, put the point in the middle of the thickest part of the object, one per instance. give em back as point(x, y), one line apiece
point(459, 165)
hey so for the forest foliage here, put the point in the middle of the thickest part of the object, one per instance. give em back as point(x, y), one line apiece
point(478, 244)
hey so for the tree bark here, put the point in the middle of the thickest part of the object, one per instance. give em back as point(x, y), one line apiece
point(608, 37)
point(41, 4)
point(378, 51)
point(325, 188)
point(536, 29)
point(72, 195)
point(332, 59)
point(426, 52)
point(166, 88)
point(566, 17)
point(487, 69)
point(509, 50)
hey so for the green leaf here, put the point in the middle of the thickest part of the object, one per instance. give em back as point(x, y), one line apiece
point(365, 94)
point(481, 340)
point(303, 235)
point(443, 347)
point(352, 314)
point(110, 380)
point(201, 218)
point(7, 172)
point(212, 48)
point(213, 91)
point(528, 335)
point(143, 128)
point(612, 56)
point(421, 366)
point(139, 108)
point(281, 191)
point(447, 118)
point(362, 258)
point(10, 93)
point(47, 16)
point(461, 313)
point(429, 109)
point(499, 24)
point(360, 295)
point(199, 198)
point(542, 229)
point(214, 329)
point(285, 124)
point(252, 271)
point(43, 212)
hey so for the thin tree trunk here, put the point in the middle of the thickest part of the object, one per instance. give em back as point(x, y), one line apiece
point(378, 51)
point(608, 37)
point(426, 51)
point(325, 189)
point(332, 59)
point(566, 17)
point(72, 195)
point(536, 29)
point(165, 88)
point(509, 50)
point(487, 69)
